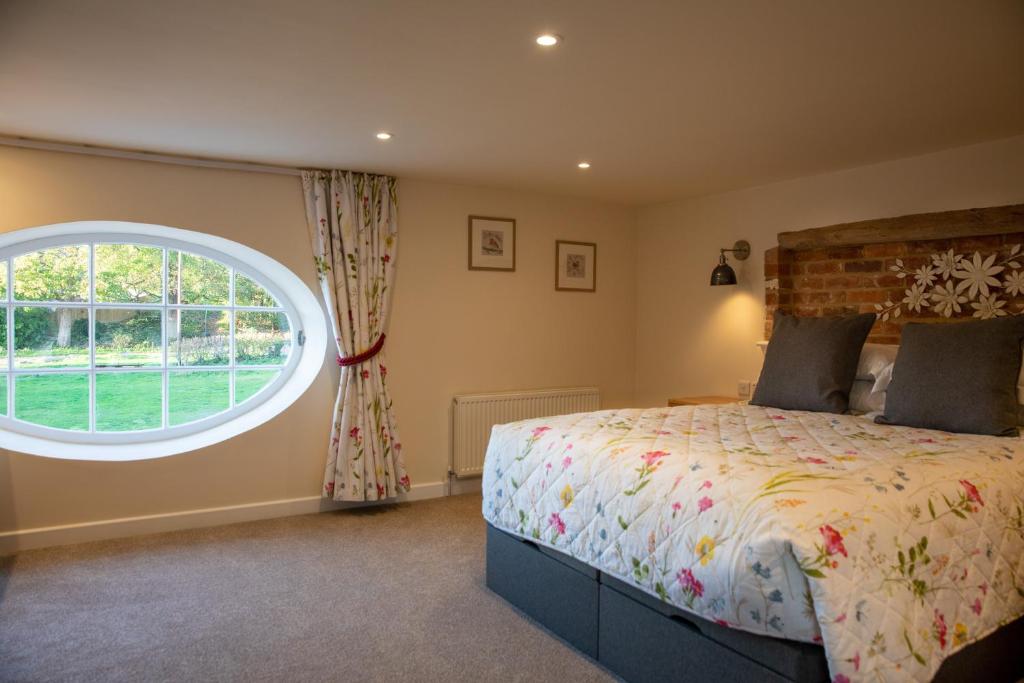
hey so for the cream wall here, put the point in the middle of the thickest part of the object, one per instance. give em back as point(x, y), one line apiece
point(454, 330)
point(697, 339)
point(451, 330)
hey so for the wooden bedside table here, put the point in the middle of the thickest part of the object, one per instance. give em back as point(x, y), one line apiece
point(698, 400)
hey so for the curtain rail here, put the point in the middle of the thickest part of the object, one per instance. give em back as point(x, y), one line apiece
point(143, 155)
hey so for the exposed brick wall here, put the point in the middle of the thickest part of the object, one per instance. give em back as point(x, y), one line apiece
point(860, 279)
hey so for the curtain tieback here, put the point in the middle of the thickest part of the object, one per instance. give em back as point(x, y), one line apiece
point(364, 356)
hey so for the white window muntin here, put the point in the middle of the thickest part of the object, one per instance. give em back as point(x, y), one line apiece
point(9, 422)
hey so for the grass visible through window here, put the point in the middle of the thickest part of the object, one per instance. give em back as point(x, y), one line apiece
point(127, 401)
point(60, 401)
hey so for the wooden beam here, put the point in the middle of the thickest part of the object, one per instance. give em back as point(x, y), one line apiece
point(993, 220)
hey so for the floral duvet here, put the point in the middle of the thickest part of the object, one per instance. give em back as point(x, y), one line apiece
point(893, 547)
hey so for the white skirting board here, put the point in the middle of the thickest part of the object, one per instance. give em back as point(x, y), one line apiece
point(41, 537)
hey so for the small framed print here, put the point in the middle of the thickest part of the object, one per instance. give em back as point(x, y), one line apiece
point(575, 266)
point(492, 243)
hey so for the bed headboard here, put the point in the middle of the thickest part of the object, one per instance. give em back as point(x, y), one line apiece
point(924, 267)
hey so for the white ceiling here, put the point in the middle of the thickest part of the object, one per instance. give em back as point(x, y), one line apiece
point(666, 99)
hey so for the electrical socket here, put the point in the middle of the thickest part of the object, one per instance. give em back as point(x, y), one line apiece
point(743, 388)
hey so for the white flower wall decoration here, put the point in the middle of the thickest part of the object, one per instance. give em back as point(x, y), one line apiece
point(957, 283)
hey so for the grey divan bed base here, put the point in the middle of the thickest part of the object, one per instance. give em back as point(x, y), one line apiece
point(640, 638)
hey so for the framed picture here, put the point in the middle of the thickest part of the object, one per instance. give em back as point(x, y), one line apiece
point(492, 243)
point(575, 266)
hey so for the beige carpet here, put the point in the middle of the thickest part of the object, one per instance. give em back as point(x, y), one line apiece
point(390, 593)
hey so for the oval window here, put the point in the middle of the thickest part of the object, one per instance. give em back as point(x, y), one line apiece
point(124, 341)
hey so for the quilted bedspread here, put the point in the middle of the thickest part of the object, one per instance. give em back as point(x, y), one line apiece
point(893, 547)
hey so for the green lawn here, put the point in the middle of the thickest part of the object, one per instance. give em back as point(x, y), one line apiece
point(127, 401)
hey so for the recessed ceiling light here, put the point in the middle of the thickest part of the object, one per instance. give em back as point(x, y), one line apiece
point(384, 135)
point(583, 164)
point(548, 39)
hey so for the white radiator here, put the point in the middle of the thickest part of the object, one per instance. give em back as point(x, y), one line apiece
point(473, 415)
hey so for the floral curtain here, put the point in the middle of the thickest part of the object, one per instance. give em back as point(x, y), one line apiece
point(352, 219)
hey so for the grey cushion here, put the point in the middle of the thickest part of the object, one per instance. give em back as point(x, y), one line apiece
point(810, 363)
point(957, 377)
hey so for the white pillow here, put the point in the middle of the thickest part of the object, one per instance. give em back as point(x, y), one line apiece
point(874, 359)
point(875, 365)
point(863, 398)
point(881, 383)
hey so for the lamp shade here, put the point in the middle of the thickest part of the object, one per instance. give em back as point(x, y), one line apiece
point(723, 274)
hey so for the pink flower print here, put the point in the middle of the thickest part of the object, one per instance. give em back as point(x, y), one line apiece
point(662, 432)
point(365, 374)
point(547, 466)
point(354, 432)
point(386, 258)
point(383, 371)
point(972, 492)
point(398, 446)
point(705, 485)
point(380, 491)
point(939, 629)
point(540, 430)
point(689, 583)
point(840, 678)
point(704, 504)
point(833, 541)
point(404, 481)
point(557, 523)
point(566, 461)
point(814, 461)
point(856, 662)
point(841, 618)
point(329, 488)
point(976, 607)
point(677, 506)
point(983, 588)
point(651, 458)
point(778, 417)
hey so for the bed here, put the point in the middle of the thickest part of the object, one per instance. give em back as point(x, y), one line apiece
point(754, 543)
point(891, 547)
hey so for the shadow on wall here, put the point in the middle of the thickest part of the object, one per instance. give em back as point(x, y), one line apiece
point(6, 568)
point(6, 518)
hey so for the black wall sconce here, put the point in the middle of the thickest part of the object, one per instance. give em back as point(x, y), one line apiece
point(723, 274)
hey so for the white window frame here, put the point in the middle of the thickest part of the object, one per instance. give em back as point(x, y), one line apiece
point(297, 302)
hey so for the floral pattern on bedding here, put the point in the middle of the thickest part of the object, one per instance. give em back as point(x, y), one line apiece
point(893, 547)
